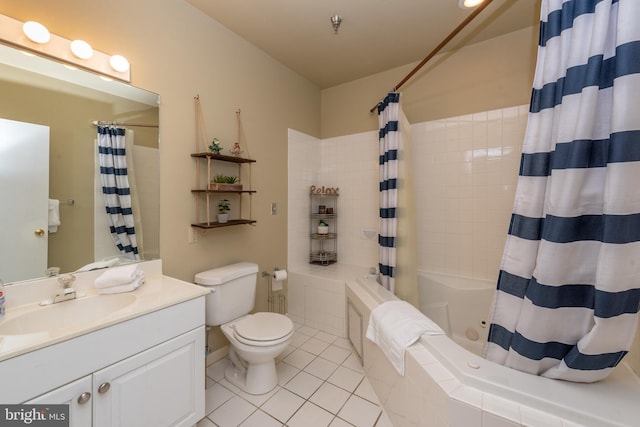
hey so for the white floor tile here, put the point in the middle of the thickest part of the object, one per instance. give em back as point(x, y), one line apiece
point(365, 391)
point(285, 372)
point(287, 351)
point(321, 368)
point(310, 415)
point(205, 422)
point(359, 412)
point(260, 419)
point(308, 331)
point(303, 384)
point(337, 422)
point(215, 396)
point(232, 412)
point(299, 358)
point(353, 363)
point(330, 397)
point(314, 346)
point(335, 354)
point(215, 371)
point(384, 421)
point(343, 343)
point(298, 339)
point(326, 337)
point(258, 399)
point(346, 378)
point(282, 405)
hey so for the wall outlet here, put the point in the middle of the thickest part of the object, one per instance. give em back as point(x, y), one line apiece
point(192, 235)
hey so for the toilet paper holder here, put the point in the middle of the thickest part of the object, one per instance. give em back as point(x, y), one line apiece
point(274, 297)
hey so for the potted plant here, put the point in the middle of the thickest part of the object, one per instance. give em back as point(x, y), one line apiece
point(323, 227)
point(223, 211)
point(225, 183)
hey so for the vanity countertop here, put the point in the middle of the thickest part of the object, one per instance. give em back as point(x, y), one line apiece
point(158, 292)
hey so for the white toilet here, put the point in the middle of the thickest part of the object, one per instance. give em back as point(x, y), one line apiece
point(255, 339)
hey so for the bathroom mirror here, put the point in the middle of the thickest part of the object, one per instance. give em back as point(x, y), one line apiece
point(68, 102)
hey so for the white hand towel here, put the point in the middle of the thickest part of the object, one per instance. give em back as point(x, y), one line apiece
point(394, 326)
point(116, 276)
point(54, 215)
point(127, 287)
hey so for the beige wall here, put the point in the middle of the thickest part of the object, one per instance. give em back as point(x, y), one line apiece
point(494, 74)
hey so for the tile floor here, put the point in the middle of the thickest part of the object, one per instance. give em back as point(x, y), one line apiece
point(320, 383)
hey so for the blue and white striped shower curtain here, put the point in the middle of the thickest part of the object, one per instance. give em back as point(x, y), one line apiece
point(389, 139)
point(569, 286)
point(115, 189)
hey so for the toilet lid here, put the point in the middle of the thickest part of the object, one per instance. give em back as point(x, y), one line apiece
point(263, 327)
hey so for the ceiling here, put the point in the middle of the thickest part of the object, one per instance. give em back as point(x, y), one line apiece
point(375, 35)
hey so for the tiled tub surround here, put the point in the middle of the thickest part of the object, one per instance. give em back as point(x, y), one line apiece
point(446, 385)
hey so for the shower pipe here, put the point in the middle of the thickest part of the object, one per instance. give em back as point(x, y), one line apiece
point(433, 53)
point(107, 123)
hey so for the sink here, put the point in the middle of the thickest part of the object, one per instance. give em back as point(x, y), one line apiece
point(64, 315)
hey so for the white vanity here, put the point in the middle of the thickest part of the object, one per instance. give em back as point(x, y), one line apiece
point(139, 363)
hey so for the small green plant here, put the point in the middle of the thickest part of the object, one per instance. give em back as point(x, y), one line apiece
point(323, 224)
point(223, 206)
point(224, 179)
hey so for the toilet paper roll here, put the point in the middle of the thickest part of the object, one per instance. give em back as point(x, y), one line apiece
point(277, 278)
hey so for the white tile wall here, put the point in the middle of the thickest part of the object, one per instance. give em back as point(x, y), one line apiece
point(465, 174)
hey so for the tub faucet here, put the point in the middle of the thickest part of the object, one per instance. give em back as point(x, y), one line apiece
point(65, 292)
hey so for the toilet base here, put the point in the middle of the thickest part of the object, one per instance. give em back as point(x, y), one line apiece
point(257, 378)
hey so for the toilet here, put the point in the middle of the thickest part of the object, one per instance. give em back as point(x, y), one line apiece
point(255, 340)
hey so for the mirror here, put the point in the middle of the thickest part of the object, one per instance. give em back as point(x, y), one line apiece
point(68, 101)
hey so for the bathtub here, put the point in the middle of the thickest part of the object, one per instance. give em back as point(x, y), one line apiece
point(459, 305)
point(447, 385)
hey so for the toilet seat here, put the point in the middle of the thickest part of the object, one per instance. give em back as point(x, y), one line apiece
point(263, 329)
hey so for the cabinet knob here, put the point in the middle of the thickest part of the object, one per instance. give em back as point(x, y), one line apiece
point(103, 388)
point(84, 397)
point(39, 232)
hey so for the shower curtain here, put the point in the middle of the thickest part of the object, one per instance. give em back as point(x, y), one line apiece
point(396, 238)
point(115, 189)
point(569, 286)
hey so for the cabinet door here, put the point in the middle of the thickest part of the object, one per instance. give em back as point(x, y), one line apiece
point(162, 386)
point(77, 395)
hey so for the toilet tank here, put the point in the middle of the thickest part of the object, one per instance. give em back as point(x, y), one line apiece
point(233, 291)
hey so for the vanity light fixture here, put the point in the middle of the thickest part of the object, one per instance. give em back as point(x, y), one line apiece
point(36, 32)
point(32, 37)
point(119, 63)
point(468, 4)
point(81, 49)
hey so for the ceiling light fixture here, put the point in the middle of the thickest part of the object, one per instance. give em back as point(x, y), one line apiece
point(36, 32)
point(336, 20)
point(81, 49)
point(468, 4)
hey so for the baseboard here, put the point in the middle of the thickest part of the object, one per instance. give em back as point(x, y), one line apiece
point(214, 356)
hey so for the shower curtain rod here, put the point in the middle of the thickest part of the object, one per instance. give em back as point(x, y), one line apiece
point(108, 123)
point(433, 53)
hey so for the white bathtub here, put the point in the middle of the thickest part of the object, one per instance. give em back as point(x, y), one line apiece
point(447, 385)
point(461, 306)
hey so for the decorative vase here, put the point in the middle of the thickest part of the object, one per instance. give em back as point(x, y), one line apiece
point(222, 218)
point(323, 229)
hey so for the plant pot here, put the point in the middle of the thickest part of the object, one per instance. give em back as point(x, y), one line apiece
point(223, 218)
point(323, 229)
point(225, 187)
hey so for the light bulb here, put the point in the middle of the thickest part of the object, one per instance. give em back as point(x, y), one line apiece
point(470, 3)
point(81, 49)
point(36, 32)
point(119, 63)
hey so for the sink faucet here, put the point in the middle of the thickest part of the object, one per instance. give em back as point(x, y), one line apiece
point(66, 292)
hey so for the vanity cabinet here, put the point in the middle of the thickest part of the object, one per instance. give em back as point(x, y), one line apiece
point(154, 388)
point(209, 193)
point(132, 373)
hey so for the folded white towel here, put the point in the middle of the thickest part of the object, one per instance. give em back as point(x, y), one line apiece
point(127, 287)
point(116, 276)
point(54, 215)
point(394, 326)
